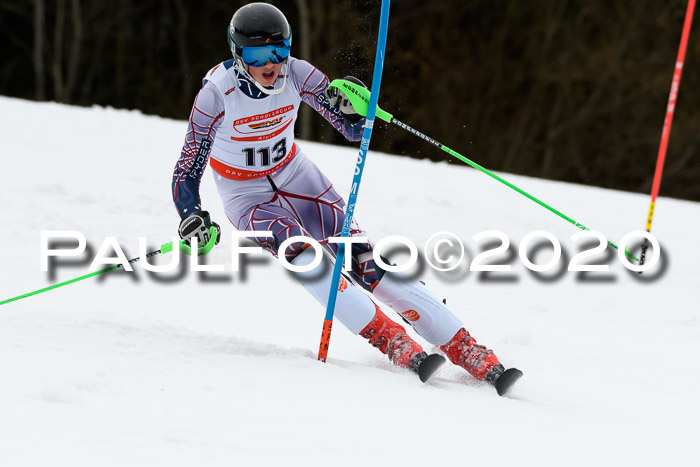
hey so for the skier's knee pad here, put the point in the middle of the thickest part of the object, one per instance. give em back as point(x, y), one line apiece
point(352, 307)
point(428, 315)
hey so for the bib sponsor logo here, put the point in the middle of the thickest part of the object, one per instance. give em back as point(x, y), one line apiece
point(265, 116)
point(256, 127)
point(267, 124)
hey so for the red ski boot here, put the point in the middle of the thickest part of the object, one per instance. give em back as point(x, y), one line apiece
point(391, 339)
point(479, 361)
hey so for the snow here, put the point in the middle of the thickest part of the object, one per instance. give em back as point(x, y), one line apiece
point(173, 369)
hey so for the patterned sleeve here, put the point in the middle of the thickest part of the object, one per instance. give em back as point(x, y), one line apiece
point(312, 85)
point(206, 116)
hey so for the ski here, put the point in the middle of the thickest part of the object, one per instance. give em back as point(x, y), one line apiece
point(507, 380)
point(429, 365)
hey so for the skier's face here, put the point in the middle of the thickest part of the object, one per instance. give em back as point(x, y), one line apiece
point(266, 74)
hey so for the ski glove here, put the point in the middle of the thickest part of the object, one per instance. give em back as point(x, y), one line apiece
point(337, 98)
point(197, 225)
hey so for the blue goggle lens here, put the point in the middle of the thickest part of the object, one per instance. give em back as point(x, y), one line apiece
point(258, 56)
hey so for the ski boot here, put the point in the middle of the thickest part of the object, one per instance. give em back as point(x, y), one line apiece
point(391, 339)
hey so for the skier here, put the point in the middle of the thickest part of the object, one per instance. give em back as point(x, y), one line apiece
point(242, 123)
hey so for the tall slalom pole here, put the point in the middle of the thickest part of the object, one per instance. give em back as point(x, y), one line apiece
point(670, 108)
point(352, 200)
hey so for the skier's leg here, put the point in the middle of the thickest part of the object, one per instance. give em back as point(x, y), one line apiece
point(359, 313)
point(321, 212)
point(300, 200)
point(354, 309)
point(437, 324)
point(310, 195)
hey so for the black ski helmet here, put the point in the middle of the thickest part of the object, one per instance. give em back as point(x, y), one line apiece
point(257, 24)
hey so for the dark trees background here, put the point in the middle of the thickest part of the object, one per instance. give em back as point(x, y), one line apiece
point(569, 90)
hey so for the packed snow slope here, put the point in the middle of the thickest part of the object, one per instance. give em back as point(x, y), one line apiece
point(220, 369)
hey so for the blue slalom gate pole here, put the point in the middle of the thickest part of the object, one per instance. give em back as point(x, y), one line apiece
point(359, 167)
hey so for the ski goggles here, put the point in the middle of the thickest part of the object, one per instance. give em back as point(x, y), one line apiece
point(260, 55)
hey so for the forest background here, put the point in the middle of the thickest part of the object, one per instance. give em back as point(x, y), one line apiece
point(566, 90)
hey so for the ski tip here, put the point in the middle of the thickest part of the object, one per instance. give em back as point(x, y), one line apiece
point(507, 380)
point(429, 366)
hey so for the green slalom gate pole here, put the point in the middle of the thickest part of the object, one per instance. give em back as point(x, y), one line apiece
point(359, 98)
point(165, 248)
